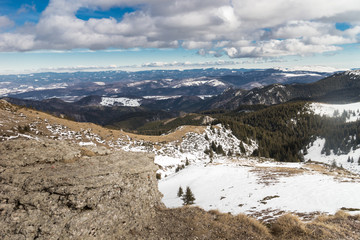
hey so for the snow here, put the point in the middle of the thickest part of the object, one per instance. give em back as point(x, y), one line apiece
point(100, 83)
point(329, 110)
point(290, 75)
point(162, 97)
point(314, 154)
point(237, 189)
point(166, 161)
point(205, 96)
point(87, 144)
point(197, 82)
point(354, 72)
point(311, 69)
point(193, 146)
point(126, 102)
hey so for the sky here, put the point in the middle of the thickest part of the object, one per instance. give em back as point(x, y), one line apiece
point(71, 35)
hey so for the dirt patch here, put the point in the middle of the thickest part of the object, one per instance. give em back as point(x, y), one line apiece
point(271, 175)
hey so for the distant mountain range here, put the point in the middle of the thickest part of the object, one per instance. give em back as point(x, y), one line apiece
point(133, 112)
point(338, 88)
point(195, 82)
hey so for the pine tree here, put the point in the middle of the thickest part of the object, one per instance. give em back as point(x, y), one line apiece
point(180, 192)
point(188, 198)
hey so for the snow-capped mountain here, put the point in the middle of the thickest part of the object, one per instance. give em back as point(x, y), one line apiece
point(74, 86)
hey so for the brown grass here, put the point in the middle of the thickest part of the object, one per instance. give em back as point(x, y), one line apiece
point(339, 226)
point(109, 134)
point(87, 152)
point(195, 223)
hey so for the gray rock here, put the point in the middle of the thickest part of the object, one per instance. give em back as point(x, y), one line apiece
point(49, 190)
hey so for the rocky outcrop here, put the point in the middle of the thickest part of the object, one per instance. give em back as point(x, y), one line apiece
point(54, 190)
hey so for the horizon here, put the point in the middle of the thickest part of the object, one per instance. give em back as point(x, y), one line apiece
point(63, 35)
point(92, 69)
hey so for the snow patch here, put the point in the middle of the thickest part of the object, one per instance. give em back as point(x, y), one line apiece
point(100, 83)
point(290, 75)
point(126, 102)
point(314, 154)
point(162, 97)
point(336, 110)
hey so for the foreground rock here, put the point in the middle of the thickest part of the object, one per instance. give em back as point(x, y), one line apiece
point(52, 190)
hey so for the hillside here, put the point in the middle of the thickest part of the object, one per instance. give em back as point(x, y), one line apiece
point(80, 150)
point(338, 88)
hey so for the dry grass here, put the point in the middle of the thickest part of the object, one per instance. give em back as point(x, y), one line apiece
point(109, 134)
point(195, 223)
point(87, 152)
point(268, 175)
point(339, 226)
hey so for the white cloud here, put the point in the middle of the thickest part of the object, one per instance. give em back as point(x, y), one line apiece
point(5, 22)
point(24, 8)
point(189, 64)
point(238, 28)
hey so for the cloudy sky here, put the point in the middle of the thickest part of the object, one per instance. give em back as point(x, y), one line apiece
point(41, 35)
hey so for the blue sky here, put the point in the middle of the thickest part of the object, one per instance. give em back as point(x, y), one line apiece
point(61, 35)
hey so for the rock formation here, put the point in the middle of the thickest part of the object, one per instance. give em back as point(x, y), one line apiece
point(52, 190)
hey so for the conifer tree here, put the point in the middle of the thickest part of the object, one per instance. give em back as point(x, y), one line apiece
point(180, 192)
point(188, 198)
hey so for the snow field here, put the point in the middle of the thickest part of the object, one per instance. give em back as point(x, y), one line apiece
point(314, 154)
point(330, 110)
point(236, 189)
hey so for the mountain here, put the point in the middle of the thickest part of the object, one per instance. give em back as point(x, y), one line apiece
point(90, 110)
point(338, 88)
point(194, 82)
point(133, 112)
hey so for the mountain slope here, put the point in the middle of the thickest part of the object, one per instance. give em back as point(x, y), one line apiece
point(340, 88)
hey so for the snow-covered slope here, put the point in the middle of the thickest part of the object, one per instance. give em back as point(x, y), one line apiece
point(260, 191)
point(200, 82)
point(351, 110)
point(314, 154)
point(126, 102)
